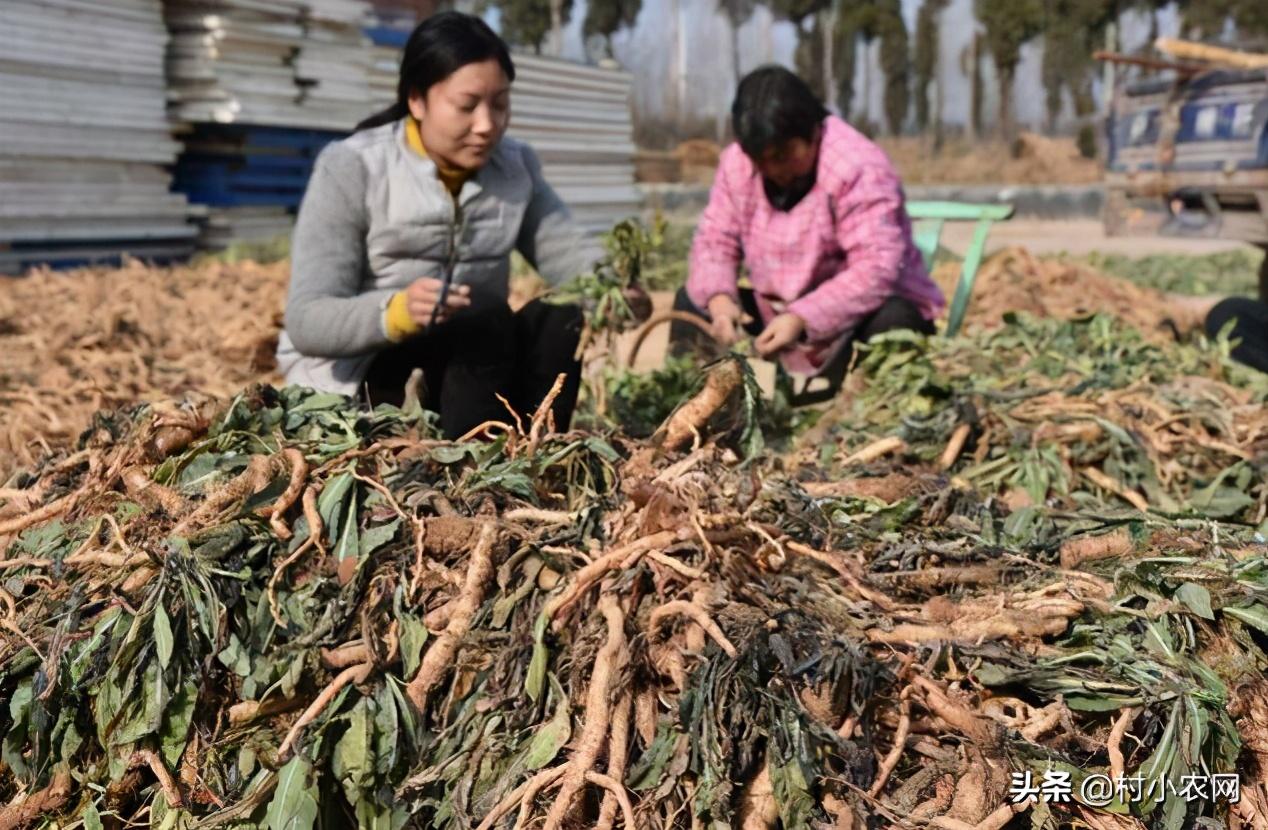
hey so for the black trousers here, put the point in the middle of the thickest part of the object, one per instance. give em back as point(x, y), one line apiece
point(1251, 328)
point(896, 313)
point(479, 354)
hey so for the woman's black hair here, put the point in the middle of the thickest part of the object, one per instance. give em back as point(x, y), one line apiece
point(440, 46)
point(773, 106)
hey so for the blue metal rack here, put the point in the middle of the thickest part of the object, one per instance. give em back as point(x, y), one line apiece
point(243, 166)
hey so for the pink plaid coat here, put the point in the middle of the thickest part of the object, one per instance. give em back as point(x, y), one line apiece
point(832, 260)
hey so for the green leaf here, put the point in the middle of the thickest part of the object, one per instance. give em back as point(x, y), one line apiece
point(14, 746)
point(527, 584)
point(176, 722)
point(413, 636)
point(235, 658)
point(554, 734)
point(536, 671)
point(348, 543)
point(352, 763)
point(294, 803)
point(92, 819)
point(376, 537)
point(451, 454)
point(330, 503)
point(319, 401)
point(1197, 599)
point(374, 816)
point(163, 636)
point(1256, 615)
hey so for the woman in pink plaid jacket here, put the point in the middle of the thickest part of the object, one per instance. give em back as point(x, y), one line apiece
point(815, 211)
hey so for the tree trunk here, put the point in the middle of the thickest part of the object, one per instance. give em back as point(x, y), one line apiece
point(827, 27)
point(974, 126)
point(735, 51)
point(938, 101)
point(1007, 126)
point(867, 81)
point(556, 28)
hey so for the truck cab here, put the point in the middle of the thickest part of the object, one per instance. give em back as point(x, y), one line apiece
point(1188, 156)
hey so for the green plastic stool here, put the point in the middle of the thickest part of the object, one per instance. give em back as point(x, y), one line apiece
point(928, 219)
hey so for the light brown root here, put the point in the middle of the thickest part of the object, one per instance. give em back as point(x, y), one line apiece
point(533, 514)
point(525, 793)
point(955, 446)
point(350, 675)
point(1105, 482)
point(618, 752)
point(698, 615)
point(171, 792)
point(645, 716)
point(250, 710)
point(316, 527)
point(485, 427)
point(875, 450)
point(24, 562)
point(968, 723)
point(299, 472)
point(617, 790)
point(439, 658)
point(1074, 552)
point(278, 572)
point(254, 478)
point(543, 414)
point(607, 665)
point(588, 575)
point(48, 511)
point(690, 418)
point(900, 743)
point(1114, 744)
point(150, 493)
point(541, 781)
point(834, 562)
point(758, 808)
point(46, 802)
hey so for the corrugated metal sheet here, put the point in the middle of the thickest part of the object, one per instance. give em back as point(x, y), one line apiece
point(84, 134)
point(280, 64)
point(253, 89)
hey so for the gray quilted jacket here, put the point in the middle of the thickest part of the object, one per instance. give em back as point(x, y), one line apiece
point(375, 218)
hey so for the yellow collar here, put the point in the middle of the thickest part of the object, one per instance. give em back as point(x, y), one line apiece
point(453, 180)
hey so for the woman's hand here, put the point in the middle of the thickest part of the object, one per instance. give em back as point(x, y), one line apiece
point(779, 334)
point(423, 295)
point(724, 319)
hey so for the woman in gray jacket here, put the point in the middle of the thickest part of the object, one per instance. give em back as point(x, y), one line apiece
point(401, 252)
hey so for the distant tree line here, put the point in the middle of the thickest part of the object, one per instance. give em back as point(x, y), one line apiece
point(829, 33)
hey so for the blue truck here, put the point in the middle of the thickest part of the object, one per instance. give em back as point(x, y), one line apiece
point(1188, 156)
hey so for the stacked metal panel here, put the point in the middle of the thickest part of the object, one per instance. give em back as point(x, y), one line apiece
point(83, 134)
point(280, 63)
point(264, 84)
point(578, 120)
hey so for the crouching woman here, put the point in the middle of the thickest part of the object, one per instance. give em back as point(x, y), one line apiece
point(401, 251)
point(815, 211)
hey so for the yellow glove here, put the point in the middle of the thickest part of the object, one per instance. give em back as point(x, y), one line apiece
point(399, 324)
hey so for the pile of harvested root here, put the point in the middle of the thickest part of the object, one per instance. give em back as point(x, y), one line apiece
point(74, 343)
point(1079, 414)
point(100, 338)
point(294, 613)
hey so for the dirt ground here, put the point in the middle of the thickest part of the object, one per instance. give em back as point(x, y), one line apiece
point(1043, 237)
